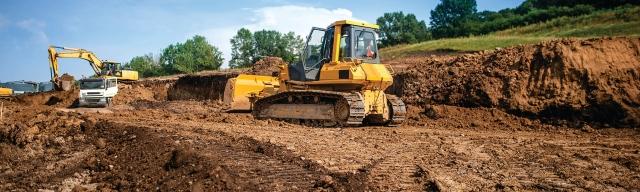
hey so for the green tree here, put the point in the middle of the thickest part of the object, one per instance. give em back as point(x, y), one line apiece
point(450, 18)
point(267, 43)
point(398, 28)
point(247, 47)
point(242, 49)
point(196, 54)
point(168, 58)
point(292, 45)
point(145, 65)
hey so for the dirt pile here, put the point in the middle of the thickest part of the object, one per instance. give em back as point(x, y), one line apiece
point(35, 128)
point(596, 80)
point(51, 98)
point(267, 66)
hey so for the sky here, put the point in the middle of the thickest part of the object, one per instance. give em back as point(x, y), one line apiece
point(121, 29)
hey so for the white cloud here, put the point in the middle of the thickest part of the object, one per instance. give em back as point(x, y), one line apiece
point(298, 19)
point(36, 28)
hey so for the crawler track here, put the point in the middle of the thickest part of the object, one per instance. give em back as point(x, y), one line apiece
point(348, 108)
point(398, 110)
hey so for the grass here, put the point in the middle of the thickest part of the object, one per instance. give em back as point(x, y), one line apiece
point(618, 22)
point(476, 43)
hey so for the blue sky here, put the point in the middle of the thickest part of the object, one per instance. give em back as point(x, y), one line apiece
point(121, 29)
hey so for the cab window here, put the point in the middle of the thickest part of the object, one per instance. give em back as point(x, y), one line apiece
point(366, 47)
point(313, 56)
point(345, 47)
point(328, 44)
point(111, 83)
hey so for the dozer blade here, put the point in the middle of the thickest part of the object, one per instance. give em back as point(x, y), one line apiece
point(239, 90)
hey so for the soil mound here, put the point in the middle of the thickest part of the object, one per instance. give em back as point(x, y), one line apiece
point(267, 66)
point(596, 80)
point(51, 98)
point(37, 127)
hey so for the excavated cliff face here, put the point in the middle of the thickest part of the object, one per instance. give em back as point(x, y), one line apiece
point(208, 86)
point(211, 85)
point(596, 80)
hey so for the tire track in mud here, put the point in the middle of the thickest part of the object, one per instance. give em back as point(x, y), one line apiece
point(399, 170)
point(407, 158)
point(257, 163)
point(402, 170)
point(264, 166)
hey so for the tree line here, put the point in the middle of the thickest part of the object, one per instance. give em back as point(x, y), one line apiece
point(460, 18)
point(450, 18)
point(196, 54)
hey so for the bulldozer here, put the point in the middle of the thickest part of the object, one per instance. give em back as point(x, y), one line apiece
point(339, 81)
point(102, 68)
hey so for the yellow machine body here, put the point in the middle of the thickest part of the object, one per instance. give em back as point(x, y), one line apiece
point(342, 74)
point(240, 90)
point(5, 92)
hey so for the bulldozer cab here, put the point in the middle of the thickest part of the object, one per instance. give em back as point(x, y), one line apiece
point(355, 43)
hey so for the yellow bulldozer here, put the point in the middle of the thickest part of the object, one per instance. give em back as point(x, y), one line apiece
point(339, 81)
point(102, 68)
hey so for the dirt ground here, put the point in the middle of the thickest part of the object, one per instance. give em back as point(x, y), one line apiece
point(173, 135)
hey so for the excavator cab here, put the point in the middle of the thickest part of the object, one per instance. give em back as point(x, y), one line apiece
point(112, 69)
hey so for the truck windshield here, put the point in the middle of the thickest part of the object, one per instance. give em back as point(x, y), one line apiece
point(91, 85)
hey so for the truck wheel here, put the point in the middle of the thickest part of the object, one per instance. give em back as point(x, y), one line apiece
point(109, 102)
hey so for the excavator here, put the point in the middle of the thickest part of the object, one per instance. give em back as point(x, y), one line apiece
point(339, 81)
point(102, 68)
point(5, 92)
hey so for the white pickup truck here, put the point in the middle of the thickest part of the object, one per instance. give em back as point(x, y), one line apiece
point(97, 92)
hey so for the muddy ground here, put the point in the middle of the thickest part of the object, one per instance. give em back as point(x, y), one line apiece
point(172, 134)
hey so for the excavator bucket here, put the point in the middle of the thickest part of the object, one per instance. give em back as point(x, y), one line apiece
point(239, 91)
point(64, 83)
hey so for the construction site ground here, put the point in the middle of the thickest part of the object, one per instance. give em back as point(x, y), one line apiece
point(173, 134)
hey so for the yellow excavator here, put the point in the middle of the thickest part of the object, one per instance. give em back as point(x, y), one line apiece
point(339, 81)
point(102, 68)
point(5, 92)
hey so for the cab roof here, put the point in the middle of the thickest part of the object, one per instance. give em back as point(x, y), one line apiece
point(356, 23)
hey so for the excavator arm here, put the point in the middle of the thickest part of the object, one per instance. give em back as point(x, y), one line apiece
point(54, 54)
